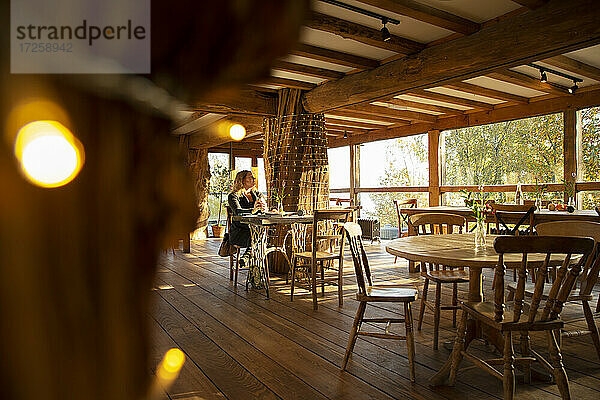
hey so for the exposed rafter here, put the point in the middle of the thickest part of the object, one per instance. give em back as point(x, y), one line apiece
point(545, 32)
point(483, 91)
point(244, 101)
point(427, 14)
point(574, 66)
point(335, 57)
point(367, 116)
point(289, 83)
point(307, 70)
point(362, 34)
point(518, 78)
point(424, 106)
point(391, 112)
point(345, 122)
point(427, 94)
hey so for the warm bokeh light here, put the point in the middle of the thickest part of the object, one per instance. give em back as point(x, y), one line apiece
point(49, 154)
point(171, 364)
point(237, 132)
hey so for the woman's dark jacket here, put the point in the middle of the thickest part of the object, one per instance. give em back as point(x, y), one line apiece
point(239, 234)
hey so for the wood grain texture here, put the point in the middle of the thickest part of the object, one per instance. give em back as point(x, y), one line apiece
point(550, 30)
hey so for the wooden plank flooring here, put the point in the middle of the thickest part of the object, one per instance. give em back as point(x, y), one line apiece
point(239, 345)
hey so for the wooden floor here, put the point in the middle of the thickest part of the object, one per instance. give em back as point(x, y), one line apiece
point(239, 345)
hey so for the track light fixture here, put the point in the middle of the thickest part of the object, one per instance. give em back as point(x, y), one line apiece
point(573, 88)
point(544, 77)
point(385, 33)
point(345, 135)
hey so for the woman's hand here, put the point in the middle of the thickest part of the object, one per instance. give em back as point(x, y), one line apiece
point(260, 204)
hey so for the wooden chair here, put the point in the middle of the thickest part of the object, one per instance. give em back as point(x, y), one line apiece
point(234, 260)
point(403, 218)
point(589, 276)
point(367, 292)
point(503, 319)
point(326, 230)
point(438, 273)
point(523, 214)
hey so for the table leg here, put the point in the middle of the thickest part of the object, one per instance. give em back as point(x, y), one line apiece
point(473, 331)
point(258, 273)
point(412, 267)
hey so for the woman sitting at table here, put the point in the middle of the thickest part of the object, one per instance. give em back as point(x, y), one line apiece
point(244, 199)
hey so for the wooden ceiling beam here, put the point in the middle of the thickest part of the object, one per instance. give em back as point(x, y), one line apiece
point(534, 108)
point(334, 57)
point(367, 116)
point(342, 129)
point(217, 133)
point(345, 122)
point(243, 101)
point(545, 32)
point(362, 34)
point(483, 91)
point(423, 106)
point(307, 70)
point(574, 66)
point(427, 94)
point(426, 14)
point(289, 83)
point(391, 112)
point(517, 78)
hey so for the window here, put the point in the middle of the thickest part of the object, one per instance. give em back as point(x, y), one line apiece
point(527, 151)
point(220, 184)
point(339, 168)
point(388, 163)
point(590, 163)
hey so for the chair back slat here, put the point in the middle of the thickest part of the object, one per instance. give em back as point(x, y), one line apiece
point(565, 279)
point(359, 257)
point(520, 295)
point(589, 275)
point(541, 276)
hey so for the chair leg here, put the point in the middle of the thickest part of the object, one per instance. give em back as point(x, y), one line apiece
point(341, 283)
point(589, 317)
point(294, 262)
point(231, 267)
point(454, 303)
point(313, 279)
point(237, 269)
point(423, 301)
point(526, 352)
point(395, 259)
point(323, 278)
point(459, 346)
point(511, 295)
point(410, 340)
point(560, 376)
point(360, 312)
point(508, 377)
point(436, 314)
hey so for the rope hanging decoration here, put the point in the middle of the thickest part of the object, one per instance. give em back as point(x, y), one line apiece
point(296, 165)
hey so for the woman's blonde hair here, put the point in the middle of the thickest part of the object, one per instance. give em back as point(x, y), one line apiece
point(238, 182)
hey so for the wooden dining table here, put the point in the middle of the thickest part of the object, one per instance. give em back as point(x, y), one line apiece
point(458, 250)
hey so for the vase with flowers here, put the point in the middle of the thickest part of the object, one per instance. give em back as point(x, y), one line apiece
point(479, 210)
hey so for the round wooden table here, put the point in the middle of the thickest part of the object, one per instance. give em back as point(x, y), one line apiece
point(458, 250)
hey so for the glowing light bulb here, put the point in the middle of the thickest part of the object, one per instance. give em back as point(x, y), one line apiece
point(237, 132)
point(49, 154)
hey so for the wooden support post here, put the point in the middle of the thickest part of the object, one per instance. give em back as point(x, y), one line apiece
point(434, 167)
point(353, 171)
point(571, 147)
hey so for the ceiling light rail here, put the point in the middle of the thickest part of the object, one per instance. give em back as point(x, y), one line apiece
point(544, 77)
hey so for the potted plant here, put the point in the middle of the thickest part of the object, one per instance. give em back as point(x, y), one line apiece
point(219, 183)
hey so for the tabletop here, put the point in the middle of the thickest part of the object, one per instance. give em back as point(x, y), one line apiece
point(455, 250)
point(273, 219)
point(539, 216)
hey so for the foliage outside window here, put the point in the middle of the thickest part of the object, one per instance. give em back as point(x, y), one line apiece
point(220, 184)
point(521, 151)
point(590, 141)
point(394, 162)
